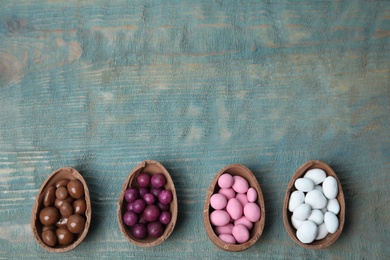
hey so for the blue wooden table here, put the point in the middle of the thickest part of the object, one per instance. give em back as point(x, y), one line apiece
point(196, 85)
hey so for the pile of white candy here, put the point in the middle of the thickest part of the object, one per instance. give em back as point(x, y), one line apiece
point(314, 206)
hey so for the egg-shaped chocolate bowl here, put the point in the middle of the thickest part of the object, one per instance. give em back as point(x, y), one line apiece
point(61, 214)
point(314, 206)
point(147, 206)
point(234, 210)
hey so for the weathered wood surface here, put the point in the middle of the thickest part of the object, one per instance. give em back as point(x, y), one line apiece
point(196, 85)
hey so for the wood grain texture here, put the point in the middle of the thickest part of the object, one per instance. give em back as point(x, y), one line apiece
point(101, 86)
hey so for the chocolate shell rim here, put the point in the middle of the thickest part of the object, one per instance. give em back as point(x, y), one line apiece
point(258, 227)
point(148, 242)
point(70, 174)
point(330, 238)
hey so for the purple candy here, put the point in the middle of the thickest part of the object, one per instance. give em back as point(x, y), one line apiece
point(130, 218)
point(156, 191)
point(139, 231)
point(149, 198)
point(131, 195)
point(165, 196)
point(165, 217)
point(158, 180)
point(138, 206)
point(155, 229)
point(143, 179)
point(142, 219)
point(163, 207)
point(143, 191)
point(151, 213)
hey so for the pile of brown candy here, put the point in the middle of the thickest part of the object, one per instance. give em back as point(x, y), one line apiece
point(63, 214)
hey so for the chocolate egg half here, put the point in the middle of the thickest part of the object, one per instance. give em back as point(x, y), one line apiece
point(331, 237)
point(46, 209)
point(258, 226)
point(152, 168)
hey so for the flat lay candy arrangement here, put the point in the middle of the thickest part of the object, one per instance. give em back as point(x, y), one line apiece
point(234, 211)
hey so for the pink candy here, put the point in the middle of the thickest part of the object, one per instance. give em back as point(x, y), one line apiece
point(218, 201)
point(229, 193)
point(240, 185)
point(242, 198)
point(252, 212)
point(219, 218)
point(240, 233)
point(251, 195)
point(227, 238)
point(225, 181)
point(235, 210)
point(244, 221)
point(224, 229)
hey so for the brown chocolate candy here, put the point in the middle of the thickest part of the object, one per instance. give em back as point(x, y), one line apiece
point(79, 206)
point(75, 189)
point(50, 196)
point(64, 236)
point(49, 237)
point(62, 193)
point(62, 183)
point(66, 209)
point(58, 203)
point(76, 224)
point(49, 216)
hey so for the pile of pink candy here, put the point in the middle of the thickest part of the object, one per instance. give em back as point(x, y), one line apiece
point(235, 209)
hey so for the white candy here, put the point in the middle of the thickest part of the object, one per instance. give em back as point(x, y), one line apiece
point(316, 216)
point(302, 212)
point(331, 222)
point(322, 232)
point(296, 199)
point(318, 187)
point(316, 199)
point(304, 185)
point(329, 187)
point(316, 175)
point(333, 206)
point(307, 232)
point(295, 222)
